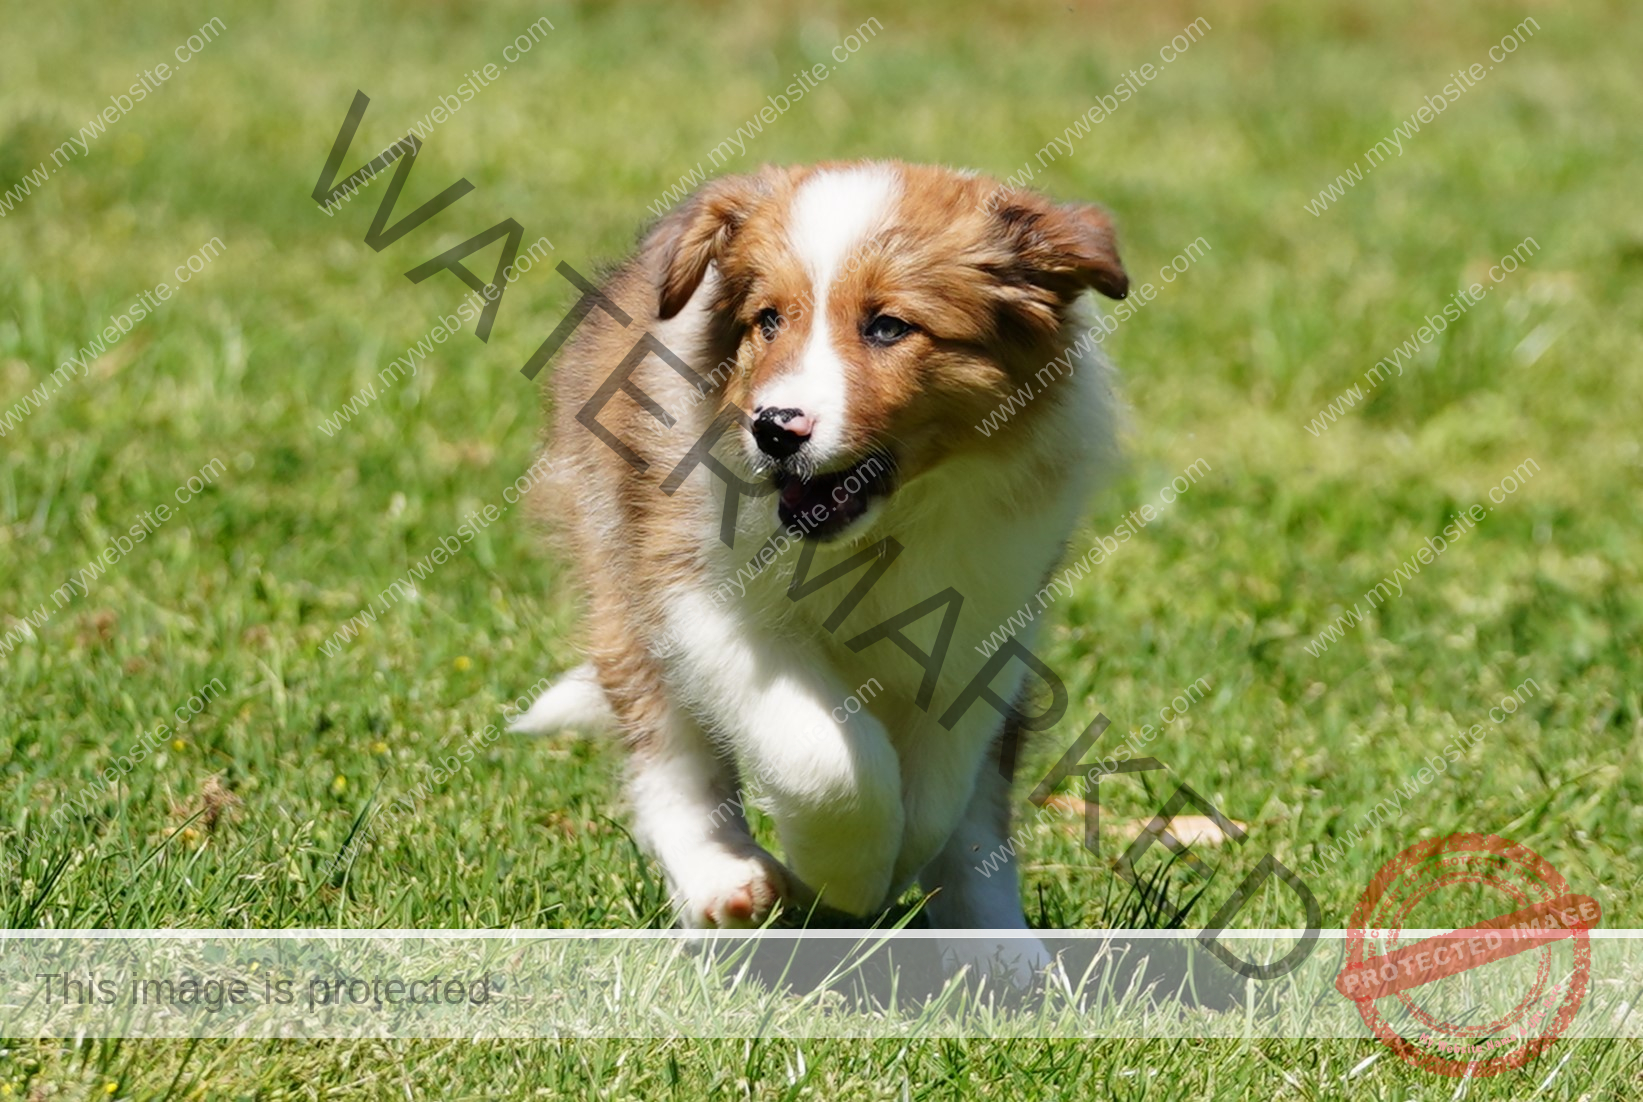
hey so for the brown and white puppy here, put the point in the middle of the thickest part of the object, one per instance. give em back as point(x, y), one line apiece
point(863, 318)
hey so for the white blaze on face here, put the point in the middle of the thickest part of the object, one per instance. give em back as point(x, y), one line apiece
point(833, 214)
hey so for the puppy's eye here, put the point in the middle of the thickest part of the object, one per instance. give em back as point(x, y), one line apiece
point(885, 329)
point(770, 323)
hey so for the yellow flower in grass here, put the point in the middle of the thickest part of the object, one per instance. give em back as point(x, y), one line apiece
point(463, 663)
point(339, 786)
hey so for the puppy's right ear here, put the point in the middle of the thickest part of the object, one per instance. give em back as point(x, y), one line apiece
point(699, 231)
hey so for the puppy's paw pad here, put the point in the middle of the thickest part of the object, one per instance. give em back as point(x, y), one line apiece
point(733, 893)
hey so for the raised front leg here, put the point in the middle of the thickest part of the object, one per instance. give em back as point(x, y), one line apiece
point(832, 786)
point(688, 815)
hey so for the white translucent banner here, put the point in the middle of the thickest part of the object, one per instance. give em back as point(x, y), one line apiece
point(1471, 992)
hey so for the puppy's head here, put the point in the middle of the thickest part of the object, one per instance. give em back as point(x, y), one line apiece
point(876, 313)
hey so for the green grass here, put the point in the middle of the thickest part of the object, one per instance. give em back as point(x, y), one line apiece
point(1229, 364)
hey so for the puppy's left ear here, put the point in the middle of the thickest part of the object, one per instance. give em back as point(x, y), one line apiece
point(1065, 247)
point(692, 237)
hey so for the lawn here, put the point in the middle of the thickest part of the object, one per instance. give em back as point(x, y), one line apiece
point(268, 520)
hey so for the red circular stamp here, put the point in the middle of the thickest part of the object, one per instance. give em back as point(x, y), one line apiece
point(1479, 998)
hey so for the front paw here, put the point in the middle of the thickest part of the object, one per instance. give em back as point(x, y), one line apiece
point(727, 890)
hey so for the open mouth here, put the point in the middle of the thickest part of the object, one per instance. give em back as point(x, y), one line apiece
point(824, 505)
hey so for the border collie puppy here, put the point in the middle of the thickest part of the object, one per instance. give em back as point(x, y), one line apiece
point(794, 538)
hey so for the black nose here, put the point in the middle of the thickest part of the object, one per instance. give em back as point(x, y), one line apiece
point(780, 432)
